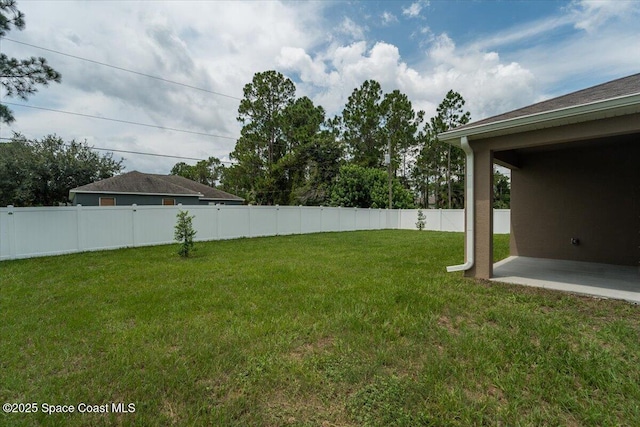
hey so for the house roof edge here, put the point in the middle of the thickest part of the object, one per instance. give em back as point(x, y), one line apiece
point(552, 118)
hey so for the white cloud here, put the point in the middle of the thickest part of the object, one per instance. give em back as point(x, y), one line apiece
point(569, 50)
point(298, 59)
point(573, 49)
point(388, 18)
point(529, 31)
point(590, 15)
point(351, 29)
point(414, 10)
point(489, 85)
point(217, 46)
point(569, 63)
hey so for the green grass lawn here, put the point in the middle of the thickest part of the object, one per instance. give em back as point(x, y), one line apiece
point(334, 329)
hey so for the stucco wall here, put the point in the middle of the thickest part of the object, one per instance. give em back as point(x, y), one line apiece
point(591, 193)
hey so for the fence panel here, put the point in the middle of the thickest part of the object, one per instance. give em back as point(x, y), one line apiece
point(408, 218)
point(452, 220)
point(288, 220)
point(331, 219)
point(363, 219)
point(378, 218)
point(263, 221)
point(234, 222)
point(6, 234)
point(106, 227)
point(205, 221)
point(347, 219)
point(37, 231)
point(433, 219)
point(501, 221)
point(311, 219)
point(28, 232)
point(155, 225)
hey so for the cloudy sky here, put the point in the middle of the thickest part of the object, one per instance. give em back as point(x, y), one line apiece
point(499, 55)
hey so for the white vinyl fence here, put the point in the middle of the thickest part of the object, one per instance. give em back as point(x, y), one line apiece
point(31, 232)
point(452, 220)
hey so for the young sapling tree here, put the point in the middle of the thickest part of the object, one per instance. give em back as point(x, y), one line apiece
point(184, 233)
point(421, 220)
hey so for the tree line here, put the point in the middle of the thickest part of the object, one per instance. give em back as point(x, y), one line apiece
point(290, 153)
point(41, 172)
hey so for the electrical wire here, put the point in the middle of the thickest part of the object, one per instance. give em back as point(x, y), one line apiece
point(157, 155)
point(123, 69)
point(141, 153)
point(118, 120)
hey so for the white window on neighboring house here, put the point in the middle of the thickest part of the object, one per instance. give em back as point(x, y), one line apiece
point(107, 201)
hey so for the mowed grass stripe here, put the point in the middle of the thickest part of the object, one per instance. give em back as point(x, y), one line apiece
point(350, 329)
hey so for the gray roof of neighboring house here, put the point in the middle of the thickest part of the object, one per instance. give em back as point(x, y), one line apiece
point(208, 193)
point(143, 183)
point(618, 94)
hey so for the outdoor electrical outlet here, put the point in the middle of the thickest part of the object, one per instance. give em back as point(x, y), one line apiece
point(575, 241)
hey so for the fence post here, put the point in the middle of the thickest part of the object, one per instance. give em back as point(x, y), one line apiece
point(11, 232)
point(355, 218)
point(440, 220)
point(217, 222)
point(80, 228)
point(134, 208)
point(300, 217)
point(250, 219)
point(277, 213)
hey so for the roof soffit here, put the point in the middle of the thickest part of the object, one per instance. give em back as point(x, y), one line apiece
point(619, 106)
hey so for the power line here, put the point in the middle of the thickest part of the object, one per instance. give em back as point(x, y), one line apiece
point(124, 69)
point(157, 155)
point(118, 120)
point(141, 153)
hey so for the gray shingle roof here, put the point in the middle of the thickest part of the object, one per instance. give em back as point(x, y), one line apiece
point(208, 193)
point(616, 88)
point(138, 182)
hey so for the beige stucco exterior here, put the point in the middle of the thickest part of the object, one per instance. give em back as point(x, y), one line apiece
point(587, 193)
point(575, 180)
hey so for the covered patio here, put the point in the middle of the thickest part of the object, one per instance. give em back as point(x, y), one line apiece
point(575, 192)
point(586, 278)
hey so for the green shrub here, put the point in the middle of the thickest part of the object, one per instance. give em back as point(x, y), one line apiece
point(421, 220)
point(184, 233)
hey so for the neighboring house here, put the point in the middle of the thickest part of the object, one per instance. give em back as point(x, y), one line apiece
point(149, 189)
point(575, 178)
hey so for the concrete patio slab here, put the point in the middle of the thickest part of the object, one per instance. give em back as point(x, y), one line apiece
point(600, 280)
